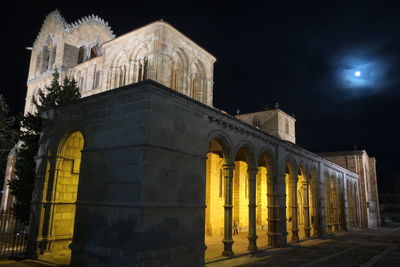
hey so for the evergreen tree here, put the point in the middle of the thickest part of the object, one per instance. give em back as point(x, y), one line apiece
point(7, 137)
point(53, 96)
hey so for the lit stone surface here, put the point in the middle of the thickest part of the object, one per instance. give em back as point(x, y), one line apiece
point(143, 181)
point(88, 51)
point(143, 171)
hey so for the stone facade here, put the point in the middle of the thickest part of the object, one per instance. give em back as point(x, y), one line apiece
point(359, 162)
point(88, 51)
point(142, 174)
point(274, 121)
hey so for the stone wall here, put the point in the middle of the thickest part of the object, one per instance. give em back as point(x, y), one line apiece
point(142, 184)
point(88, 52)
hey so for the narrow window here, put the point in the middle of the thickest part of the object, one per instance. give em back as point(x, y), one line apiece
point(140, 72)
point(122, 76)
point(256, 122)
point(52, 57)
point(93, 52)
point(173, 79)
point(195, 88)
point(82, 83)
point(45, 59)
point(145, 61)
point(38, 61)
point(81, 54)
point(287, 126)
point(97, 79)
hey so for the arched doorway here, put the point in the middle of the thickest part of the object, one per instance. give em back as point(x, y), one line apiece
point(64, 190)
point(267, 202)
point(241, 201)
point(216, 163)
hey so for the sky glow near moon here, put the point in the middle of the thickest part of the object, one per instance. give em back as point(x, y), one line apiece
point(362, 74)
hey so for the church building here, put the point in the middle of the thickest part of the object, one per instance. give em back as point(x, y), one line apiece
point(145, 171)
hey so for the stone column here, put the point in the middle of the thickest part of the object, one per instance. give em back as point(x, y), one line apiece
point(306, 207)
point(346, 205)
point(111, 78)
point(252, 235)
point(280, 216)
point(314, 201)
point(273, 208)
point(228, 241)
point(336, 207)
point(48, 222)
point(44, 166)
point(293, 204)
point(328, 203)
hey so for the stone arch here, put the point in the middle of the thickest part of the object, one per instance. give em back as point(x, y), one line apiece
point(61, 191)
point(120, 70)
point(46, 56)
point(291, 170)
point(139, 58)
point(244, 192)
point(179, 69)
point(250, 152)
point(291, 166)
point(218, 188)
point(197, 79)
point(225, 142)
point(267, 203)
point(269, 152)
point(63, 129)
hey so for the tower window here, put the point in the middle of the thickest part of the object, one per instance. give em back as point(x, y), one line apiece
point(256, 122)
point(97, 79)
point(93, 52)
point(286, 126)
point(81, 54)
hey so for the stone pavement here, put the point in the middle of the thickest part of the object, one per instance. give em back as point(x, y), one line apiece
point(371, 247)
point(365, 248)
point(25, 263)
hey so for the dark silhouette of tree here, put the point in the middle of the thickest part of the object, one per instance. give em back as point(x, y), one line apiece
point(53, 96)
point(7, 136)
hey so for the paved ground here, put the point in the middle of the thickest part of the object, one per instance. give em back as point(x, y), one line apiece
point(215, 246)
point(365, 248)
point(373, 247)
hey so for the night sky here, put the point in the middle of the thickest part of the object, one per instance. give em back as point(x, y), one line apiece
point(303, 56)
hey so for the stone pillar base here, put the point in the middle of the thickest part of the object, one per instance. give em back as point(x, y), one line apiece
point(227, 248)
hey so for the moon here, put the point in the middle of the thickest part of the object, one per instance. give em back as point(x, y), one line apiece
point(357, 73)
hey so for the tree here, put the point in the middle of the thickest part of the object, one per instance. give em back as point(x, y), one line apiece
point(7, 136)
point(53, 96)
